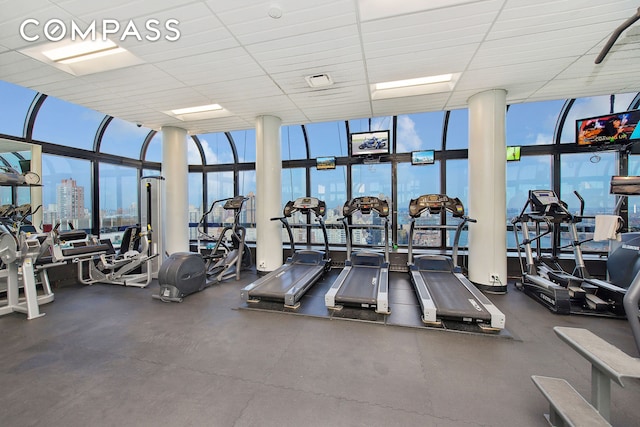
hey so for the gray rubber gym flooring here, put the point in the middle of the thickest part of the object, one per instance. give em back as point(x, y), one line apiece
point(113, 356)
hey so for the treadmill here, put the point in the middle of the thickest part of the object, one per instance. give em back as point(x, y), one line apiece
point(289, 282)
point(442, 290)
point(364, 281)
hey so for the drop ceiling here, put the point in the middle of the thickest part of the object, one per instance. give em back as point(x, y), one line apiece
point(235, 54)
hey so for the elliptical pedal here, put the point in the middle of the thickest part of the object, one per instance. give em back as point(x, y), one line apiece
point(576, 292)
point(596, 303)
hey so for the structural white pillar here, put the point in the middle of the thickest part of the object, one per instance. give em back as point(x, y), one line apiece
point(268, 193)
point(175, 170)
point(487, 190)
point(36, 192)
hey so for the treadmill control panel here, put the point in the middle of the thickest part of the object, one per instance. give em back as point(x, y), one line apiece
point(304, 205)
point(366, 205)
point(435, 203)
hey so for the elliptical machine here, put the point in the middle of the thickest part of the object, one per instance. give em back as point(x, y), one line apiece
point(226, 260)
point(184, 273)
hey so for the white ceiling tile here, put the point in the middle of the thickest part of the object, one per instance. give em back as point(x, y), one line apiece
point(233, 53)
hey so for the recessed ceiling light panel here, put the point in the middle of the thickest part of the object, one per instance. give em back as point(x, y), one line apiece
point(412, 87)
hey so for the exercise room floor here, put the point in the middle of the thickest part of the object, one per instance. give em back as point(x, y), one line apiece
point(112, 356)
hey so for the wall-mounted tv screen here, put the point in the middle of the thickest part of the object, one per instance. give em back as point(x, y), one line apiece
point(610, 129)
point(513, 153)
point(325, 163)
point(369, 143)
point(426, 157)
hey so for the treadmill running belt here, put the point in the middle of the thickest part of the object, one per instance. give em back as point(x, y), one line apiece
point(292, 276)
point(451, 297)
point(361, 286)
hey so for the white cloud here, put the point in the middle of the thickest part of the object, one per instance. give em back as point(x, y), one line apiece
point(407, 138)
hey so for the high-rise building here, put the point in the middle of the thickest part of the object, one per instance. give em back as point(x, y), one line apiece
point(70, 200)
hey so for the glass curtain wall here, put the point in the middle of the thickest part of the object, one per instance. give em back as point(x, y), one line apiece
point(118, 200)
point(544, 130)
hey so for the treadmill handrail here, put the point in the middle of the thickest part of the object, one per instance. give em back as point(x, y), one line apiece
point(456, 240)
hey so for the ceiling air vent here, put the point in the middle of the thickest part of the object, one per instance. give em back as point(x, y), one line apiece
point(319, 80)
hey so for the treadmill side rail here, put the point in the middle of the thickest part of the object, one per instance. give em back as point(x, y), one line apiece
point(382, 300)
point(498, 318)
point(296, 292)
point(330, 296)
point(424, 297)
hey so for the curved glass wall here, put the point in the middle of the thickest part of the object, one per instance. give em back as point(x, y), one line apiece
point(195, 203)
point(217, 148)
point(293, 144)
point(247, 187)
point(154, 149)
point(593, 106)
point(419, 132)
point(245, 142)
point(123, 138)
point(330, 185)
point(294, 185)
point(458, 130)
point(327, 139)
point(60, 124)
point(371, 180)
point(13, 113)
point(532, 123)
point(589, 175)
point(118, 200)
point(67, 199)
point(67, 124)
point(633, 202)
point(414, 181)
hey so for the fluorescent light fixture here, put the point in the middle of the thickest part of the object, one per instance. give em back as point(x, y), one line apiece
point(80, 57)
point(413, 87)
point(81, 51)
point(442, 78)
point(198, 109)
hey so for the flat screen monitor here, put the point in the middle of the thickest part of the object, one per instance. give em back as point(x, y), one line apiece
point(513, 153)
point(610, 129)
point(425, 157)
point(369, 143)
point(325, 163)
